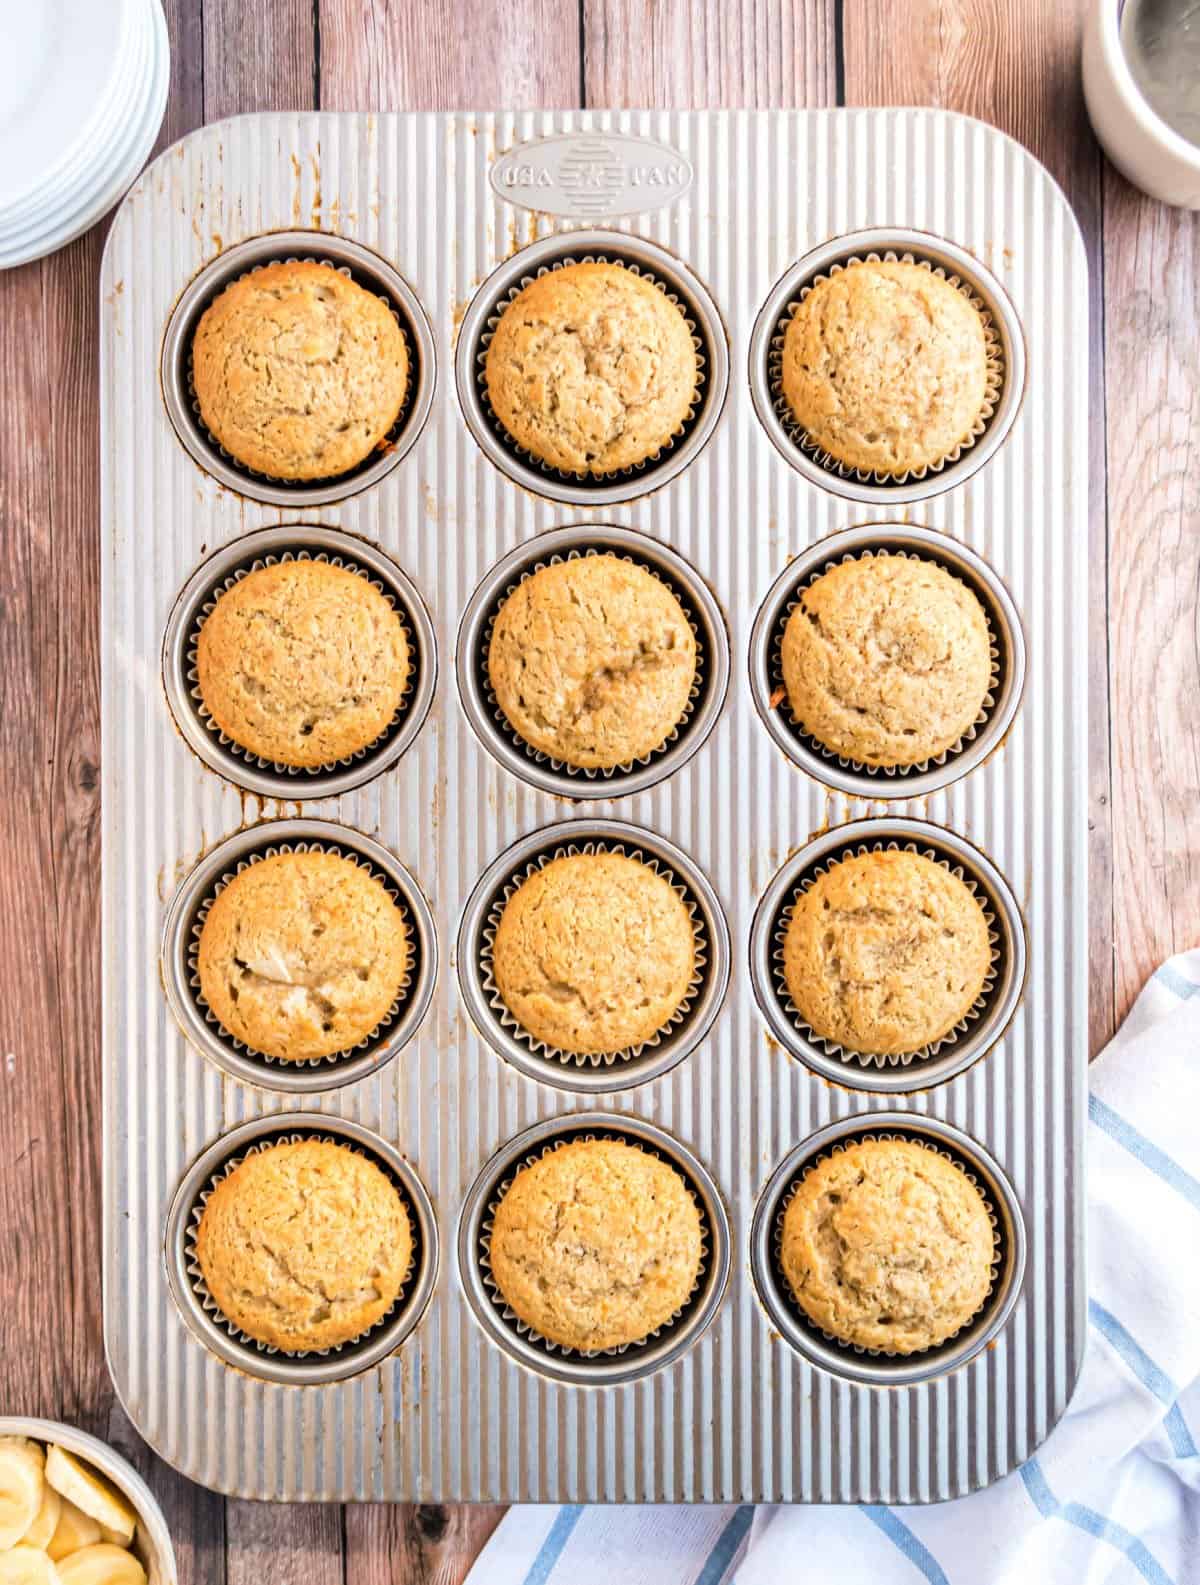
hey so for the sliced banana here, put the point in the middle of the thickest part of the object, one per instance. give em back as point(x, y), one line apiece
point(21, 1486)
point(102, 1564)
point(89, 1491)
point(27, 1565)
point(113, 1537)
point(75, 1529)
point(41, 1531)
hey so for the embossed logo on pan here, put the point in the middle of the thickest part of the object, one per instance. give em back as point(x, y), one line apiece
point(589, 176)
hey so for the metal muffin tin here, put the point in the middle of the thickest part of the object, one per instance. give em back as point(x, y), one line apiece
point(616, 1366)
point(955, 1055)
point(868, 781)
point(443, 202)
point(273, 1365)
point(871, 1368)
point(684, 288)
point(203, 1030)
point(521, 758)
point(924, 248)
point(243, 769)
point(676, 1043)
point(369, 271)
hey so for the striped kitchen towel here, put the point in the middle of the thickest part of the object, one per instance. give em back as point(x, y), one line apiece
point(1112, 1496)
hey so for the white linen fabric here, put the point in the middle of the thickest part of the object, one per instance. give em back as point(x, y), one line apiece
point(1111, 1498)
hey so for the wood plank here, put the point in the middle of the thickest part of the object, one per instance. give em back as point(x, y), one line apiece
point(285, 1543)
point(966, 56)
point(459, 55)
point(258, 56)
point(674, 54)
point(1152, 330)
point(415, 1544)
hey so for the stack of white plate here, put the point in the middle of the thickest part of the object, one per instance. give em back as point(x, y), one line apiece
point(83, 88)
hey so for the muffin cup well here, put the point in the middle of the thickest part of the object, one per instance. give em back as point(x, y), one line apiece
point(872, 1367)
point(631, 1361)
point(1006, 365)
point(680, 286)
point(608, 1071)
point(1007, 645)
point(181, 934)
point(200, 1311)
point(501, 738)
point(369, 271)
point(942, 1059)
point(295, 542)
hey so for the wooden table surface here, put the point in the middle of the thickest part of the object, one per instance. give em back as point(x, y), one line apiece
point(1012, 62)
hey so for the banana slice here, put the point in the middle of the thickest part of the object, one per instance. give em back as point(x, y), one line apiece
point(21, 1487)
point(113, 1537)
point(75, 1529)
point(90, 1491)
point(102, 1564)
point(27, 1565)
point(42, 1529)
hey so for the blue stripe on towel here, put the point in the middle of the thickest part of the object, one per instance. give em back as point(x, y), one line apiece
point(902, 1537)
point(1183, 1444)
point(728, 1541)
point(1132, 1352)
point(1148, 1154)
point(1176, 982)
point(1093, 1524)
point(552, 1547)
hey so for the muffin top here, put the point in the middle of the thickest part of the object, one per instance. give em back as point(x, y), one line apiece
point(591, 368)
point(596, 1244)
point(302, 662)
point(594, 952)
point(299, 372)
point(302, 955)
point(592, 661)
point(885, 366)
point(885, 952)
point(304, 1245)
point(887, 659)
point(888, 1245)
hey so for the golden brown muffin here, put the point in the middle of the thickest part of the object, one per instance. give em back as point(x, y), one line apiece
point(887, 660)
point(592, 661)
point(594, 953)
point(304, 1245)
point(885, 366)
point(597, 1244)
point(591, 368)
point(888, 1245)
point(885, 952)
point(299, 372)
point(302, 663)
point(302, 955)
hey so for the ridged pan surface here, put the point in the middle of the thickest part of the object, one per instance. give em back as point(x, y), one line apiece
point(740, 1413)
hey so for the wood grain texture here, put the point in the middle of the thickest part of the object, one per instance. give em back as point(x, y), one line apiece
point(1152, 342)
point(1014, 63)
point(428, 55)
point(674, 54)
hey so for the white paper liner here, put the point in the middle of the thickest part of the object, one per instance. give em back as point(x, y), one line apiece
point(416, 948)
point(996, 373)
point(487, 1222)
point(529, 459)
point(885, 1059)
point(860, 767)
point(539, 756)
point(196, 1276)
point(789, 1194)
point(247, 756)
point(380, 449)
point(701, 957)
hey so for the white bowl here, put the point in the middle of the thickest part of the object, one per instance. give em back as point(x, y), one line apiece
point(152, 1542)
point(1139, 143)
